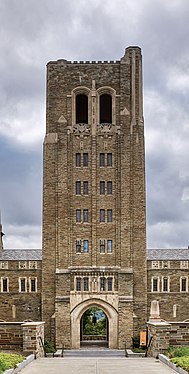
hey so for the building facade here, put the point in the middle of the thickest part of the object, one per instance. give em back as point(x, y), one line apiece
point(94, 212)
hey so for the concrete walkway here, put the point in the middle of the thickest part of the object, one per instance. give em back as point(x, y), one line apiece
point(96, 366)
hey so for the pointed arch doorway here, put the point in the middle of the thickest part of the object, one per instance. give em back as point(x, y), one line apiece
point(110, 313)
point(94, 328)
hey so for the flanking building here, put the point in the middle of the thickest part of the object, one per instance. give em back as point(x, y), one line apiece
point(94, 213)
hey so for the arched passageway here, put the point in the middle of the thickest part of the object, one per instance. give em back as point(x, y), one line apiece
point(94, 328)
point(111, 318)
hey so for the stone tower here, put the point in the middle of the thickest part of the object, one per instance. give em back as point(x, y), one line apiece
point(94, 224)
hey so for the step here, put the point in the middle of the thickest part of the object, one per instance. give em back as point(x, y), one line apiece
point(89, 352)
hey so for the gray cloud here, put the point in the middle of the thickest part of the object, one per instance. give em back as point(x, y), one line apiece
point(34, 32)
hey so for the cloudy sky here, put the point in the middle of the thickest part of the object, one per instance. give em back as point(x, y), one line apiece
point(32, 32)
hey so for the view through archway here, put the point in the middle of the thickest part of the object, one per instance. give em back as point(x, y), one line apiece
point(94, 328)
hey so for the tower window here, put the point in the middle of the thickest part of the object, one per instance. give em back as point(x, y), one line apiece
point(78, 159)
point(102, 187)
point(102, 246)
point(109, 187)
point(110, 283)
point(102, 284)
point(109, 159)
point(78, 246)
point(109, 215)
point(86, 283)
point(85, 187)
point(81, 109)
point(78, 284)
point(85, 159)
point(109, 248)
point(105, 108)
point(78, 188)
point(102, 215)
point(85, 246)
point(78, 215)
point(102, 159)
point(85, 215)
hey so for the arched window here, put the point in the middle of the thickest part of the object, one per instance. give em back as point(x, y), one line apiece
point(105, 108)
point(82, 109)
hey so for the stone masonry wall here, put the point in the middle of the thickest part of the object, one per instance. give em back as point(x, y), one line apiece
point(11, 336)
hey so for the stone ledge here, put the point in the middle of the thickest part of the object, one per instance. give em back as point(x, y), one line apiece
point(20, 366)
point(170, 364)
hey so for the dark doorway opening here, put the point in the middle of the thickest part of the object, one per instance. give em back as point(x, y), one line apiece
point(94, 328)
point(82, 109)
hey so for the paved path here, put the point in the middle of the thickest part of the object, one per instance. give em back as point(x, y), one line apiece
point(96, 366)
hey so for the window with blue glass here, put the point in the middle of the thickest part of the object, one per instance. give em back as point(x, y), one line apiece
point(109, 246)
point(85, 246)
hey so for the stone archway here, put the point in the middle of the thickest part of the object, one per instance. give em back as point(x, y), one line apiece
point(79, 310)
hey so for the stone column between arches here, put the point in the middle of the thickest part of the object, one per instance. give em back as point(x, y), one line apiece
point(80, 309)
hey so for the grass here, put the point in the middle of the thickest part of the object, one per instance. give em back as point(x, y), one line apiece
point(8, 361)
point(179, 356)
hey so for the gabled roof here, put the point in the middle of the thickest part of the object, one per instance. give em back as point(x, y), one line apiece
point(21, 254)
point(168, 254)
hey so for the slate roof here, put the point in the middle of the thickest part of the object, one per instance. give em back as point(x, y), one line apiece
point(168, 254)
point(21, 254)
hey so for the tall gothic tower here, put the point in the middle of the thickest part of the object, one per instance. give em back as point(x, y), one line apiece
point(94, 224)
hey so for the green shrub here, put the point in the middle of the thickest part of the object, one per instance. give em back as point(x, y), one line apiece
point(182, 362)
point(49, 347)
point(9, 361)
point(178, 351)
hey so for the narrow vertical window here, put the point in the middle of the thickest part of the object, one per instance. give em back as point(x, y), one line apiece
point(81, 109)
point(165, 284)
point(155, 284)
point(78, 159)
point(85, 215)
point(109, 187)
point(78, 188)
point(4, 285)
point(85, 159)
point(78, 284)
point(85, 246)
point(109, 248)
point(109, 159)
point(105, 108)
point(78, 246)
point(102, 159)
point(102, 284)
point(86, 284)
point(184, 284)
point(85, 188)
point(102, 187)
point(78, 215)
point(22, 285)
point(102, 215)
point(110, 283)
point(33, 285)
point(109, 215)
point(102, 246)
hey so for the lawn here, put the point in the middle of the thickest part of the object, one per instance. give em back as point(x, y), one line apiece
point(8, 361)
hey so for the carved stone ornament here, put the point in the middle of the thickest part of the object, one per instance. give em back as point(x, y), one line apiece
point(80, 128)
point(105, 128)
